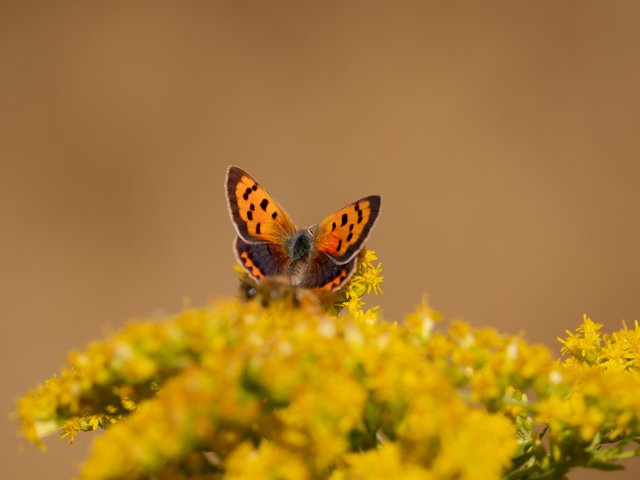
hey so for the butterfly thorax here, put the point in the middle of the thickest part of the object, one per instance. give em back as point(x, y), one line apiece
point(299, 250)
point(300, 246)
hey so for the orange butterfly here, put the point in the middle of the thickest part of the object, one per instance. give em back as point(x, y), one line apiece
point(269, 243)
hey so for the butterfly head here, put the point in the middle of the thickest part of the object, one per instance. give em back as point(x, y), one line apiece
point(300, 246)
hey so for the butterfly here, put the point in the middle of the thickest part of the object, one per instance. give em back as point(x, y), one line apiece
point(269, 244)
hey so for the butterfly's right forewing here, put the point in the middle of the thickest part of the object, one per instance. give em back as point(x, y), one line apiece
point(342, 234)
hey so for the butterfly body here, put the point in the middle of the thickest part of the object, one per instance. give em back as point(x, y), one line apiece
point(299, 250)
point(269, 244)
point(300, 246)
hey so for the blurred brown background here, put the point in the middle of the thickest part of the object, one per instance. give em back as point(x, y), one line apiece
point(504, 138)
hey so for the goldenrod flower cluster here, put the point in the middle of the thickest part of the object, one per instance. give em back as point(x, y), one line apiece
point(290, 389)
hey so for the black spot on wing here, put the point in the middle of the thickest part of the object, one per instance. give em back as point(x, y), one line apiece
point(236, 189)
point(358, 240)
point(263, 204)
point(345, 219)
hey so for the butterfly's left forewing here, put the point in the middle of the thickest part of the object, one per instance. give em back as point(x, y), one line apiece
point(255, 214)
point(342, 234)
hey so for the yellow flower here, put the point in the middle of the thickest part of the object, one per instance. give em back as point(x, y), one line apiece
point(480, 449)
point(384, 463)
point(586, 344)
point(267, 462)
point(422, 320)
point(309, 388)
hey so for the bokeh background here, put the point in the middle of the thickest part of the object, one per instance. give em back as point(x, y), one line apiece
point(504, 138)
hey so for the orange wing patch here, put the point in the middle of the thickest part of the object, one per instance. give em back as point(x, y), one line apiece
point(343, 234)
point(256, 215)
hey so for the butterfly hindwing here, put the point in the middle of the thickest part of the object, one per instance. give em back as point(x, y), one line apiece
point(255, 214)
point(342, 234)
point(260, 260)
point(324, 274)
